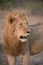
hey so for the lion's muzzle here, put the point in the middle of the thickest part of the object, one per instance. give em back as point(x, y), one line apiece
point(23, 38)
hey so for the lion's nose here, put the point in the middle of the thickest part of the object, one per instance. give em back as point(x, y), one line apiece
point(28, 32)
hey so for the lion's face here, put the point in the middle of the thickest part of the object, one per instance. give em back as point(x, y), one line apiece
point(21, 30)
point(20, 27)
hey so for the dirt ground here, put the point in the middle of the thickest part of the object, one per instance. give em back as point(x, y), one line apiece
point(36, 26)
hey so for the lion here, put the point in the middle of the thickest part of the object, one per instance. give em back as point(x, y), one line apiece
point(15, 34)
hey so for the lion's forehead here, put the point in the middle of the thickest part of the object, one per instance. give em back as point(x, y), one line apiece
point(18, 14)
point(20, 17)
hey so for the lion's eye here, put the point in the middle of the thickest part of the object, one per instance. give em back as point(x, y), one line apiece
point(21, 24)
point(27, 23)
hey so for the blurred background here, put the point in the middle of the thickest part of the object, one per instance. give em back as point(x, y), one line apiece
point(35, 6)
point(34, 10)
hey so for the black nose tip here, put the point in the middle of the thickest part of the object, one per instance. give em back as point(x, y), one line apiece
point(28, 32)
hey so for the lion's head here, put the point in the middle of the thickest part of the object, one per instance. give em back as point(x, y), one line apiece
point(18, 25)
point(15, 32)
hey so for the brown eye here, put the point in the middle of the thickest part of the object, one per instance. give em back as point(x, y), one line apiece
point(27, 23)
point(21, 24)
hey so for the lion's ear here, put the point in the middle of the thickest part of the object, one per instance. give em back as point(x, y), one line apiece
point(11, 20)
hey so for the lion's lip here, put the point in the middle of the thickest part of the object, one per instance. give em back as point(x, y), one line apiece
point(23, 38)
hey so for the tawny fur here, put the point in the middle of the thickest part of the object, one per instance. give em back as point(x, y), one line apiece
point(12, 45)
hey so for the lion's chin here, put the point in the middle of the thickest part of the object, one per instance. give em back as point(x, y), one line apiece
point(23, 40)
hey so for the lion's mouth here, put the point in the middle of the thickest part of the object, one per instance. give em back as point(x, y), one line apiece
point(23, 38)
